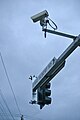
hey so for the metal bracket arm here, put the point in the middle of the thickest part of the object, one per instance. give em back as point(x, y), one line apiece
point(60, 33)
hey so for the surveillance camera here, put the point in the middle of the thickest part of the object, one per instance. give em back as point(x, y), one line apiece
point(40, 16)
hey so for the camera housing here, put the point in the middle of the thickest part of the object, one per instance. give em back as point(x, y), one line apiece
point(40, 16)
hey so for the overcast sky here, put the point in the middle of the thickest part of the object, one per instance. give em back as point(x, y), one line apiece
point(26, 52)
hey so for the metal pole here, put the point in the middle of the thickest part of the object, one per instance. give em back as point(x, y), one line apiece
point(70, 49)
point(60, 33)
point(55, 69)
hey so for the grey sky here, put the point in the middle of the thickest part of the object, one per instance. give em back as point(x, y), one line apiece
point(26, 52)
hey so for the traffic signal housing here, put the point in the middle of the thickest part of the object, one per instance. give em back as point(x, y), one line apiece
point(47, 93)
point(40, 97)
point(43, 95)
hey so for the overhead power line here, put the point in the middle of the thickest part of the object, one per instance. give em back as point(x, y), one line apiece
point(3, 111)
point(9, 82)
point(6, 104)
point(1, 117)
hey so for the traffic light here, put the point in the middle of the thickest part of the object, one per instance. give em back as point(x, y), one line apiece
point(47, 93)
point(40, 97)
point(43, 95)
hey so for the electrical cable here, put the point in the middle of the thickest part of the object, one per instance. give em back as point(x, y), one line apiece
point(15, 115)
point(6, 104)
point(4, 110)
point(29, 117)
point(9, 83)
point(1, 117)
point(55, 28)
point(44, 25)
